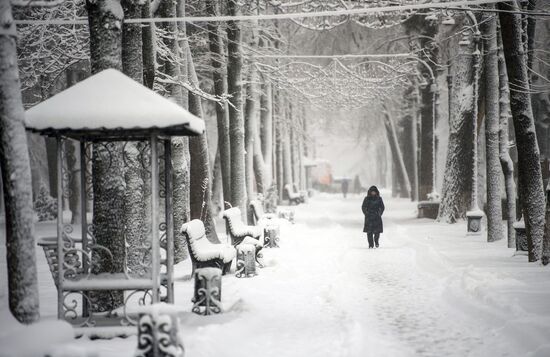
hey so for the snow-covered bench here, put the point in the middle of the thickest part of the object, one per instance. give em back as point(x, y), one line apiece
point(241, 233)
point(269, 223)
point(293, 197)
point(428, 209)
point(303, 193)
point(259, 216)
point(203, 253)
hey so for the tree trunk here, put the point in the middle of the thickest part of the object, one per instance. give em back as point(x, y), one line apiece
point(136, 209)
point(529, 169)
point(266, 133)
point(504, 149)
point(180, 145)
point(72, 148)
point(293, 118)
point(546, 241)
point(108, 217)
point(217, 56)
point(16, 180)
point(400, 169)
point(251, 115)
point(279, 143)
point(200, 180)
point(492, 111)
point(260, 174)
point(217, 199)
point(180, 169)
point(148, 46)
point(285, 140)
point(105, 23)
point(407, 140)
point(236, 120)
point(426, 30)
point(457, 180)
point(132, 48)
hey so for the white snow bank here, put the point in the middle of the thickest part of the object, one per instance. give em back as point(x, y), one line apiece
point(45, 338)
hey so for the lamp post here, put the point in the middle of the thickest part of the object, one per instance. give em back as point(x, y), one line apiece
point(475, 214)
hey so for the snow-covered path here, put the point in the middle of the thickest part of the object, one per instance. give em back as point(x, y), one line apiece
point(427, 291)
point(325, 293)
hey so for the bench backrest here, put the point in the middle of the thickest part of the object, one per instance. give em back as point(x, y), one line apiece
point(193, 231)
point(257, 209)
point(233, 220)
point(235, 226)
point(290, 192)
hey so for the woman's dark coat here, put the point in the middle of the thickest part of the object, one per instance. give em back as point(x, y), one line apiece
point(373, 208)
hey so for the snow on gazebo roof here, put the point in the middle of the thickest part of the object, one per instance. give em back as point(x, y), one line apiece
point(111, 105)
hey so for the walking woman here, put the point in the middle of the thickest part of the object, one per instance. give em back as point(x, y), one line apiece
point(373, 208)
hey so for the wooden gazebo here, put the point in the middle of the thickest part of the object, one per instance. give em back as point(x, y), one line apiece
point(93, 123)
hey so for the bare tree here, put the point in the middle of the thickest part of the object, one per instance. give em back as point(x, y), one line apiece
point(285, 140)
point(504, 146)
point(402, 175)
point(200, 179)
point(217, 56)
point(529, 169)
point(137, 205)
point(105, 23)
point(236, 120)
point(266, 132)
point(251, 119)
point(168, 73)
point(457, 181)
point(148, 46)
point(16, 180)
point(492, 121)
point(426, 30)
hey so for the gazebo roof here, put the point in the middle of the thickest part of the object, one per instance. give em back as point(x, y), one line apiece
point(110, 105)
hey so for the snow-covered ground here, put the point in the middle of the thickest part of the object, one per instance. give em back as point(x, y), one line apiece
point(429, 290)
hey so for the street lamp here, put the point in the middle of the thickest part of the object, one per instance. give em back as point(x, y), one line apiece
point(475, 214)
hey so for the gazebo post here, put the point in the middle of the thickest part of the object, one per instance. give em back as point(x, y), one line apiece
point(155, 269)
point(60, 258)
point(169, 219)
point(83, 217)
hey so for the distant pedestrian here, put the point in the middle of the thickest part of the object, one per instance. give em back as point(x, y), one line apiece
point(345, 187)
point(373, 208)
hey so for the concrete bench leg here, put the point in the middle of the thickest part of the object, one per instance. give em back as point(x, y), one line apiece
point(271, 237)
point(158, 336)
point(521, 237)
point(208, 291)
point(246, 261)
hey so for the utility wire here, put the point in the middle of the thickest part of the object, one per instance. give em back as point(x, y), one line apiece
point(457, 4)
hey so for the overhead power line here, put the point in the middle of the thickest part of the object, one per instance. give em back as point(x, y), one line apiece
point(386, 55)
point(344, 12)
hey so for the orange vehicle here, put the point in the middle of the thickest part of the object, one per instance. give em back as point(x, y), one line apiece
point(321, 175)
